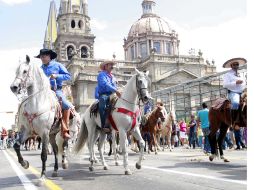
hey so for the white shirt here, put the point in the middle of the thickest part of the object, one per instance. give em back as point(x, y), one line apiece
point(229, 82)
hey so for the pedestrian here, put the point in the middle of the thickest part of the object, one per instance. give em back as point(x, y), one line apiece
point(193, 131)
point(203, 120)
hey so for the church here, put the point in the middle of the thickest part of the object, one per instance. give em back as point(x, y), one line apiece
point(151, 45)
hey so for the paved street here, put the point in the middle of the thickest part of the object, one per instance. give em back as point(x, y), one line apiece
point(180, 169)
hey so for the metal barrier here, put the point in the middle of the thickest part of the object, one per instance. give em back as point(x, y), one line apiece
point(187, 98)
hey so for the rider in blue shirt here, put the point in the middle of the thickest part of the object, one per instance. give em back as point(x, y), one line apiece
point(106, 86)
point(57, 73)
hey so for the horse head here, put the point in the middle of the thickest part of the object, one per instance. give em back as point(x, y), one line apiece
point(23, 79)
point(160, 113)
point(142, 81)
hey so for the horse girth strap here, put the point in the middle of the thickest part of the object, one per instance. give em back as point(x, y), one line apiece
point(133, 115)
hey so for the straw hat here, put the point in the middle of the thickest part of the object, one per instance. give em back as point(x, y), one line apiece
point(105, 63)
point(239, 60)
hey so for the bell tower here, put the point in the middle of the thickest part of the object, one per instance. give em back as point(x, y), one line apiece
point(73, 31)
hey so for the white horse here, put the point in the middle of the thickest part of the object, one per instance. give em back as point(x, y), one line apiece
point(124, 118)
point(38, 113)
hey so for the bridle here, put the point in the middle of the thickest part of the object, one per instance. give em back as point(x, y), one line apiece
point(140, 89)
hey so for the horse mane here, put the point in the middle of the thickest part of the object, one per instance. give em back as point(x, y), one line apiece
point(38, 73)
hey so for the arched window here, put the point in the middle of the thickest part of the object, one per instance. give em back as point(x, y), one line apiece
point(157, 47)
point(73, 24)
point(70, 52)
point(80, 24)
point(84, 52)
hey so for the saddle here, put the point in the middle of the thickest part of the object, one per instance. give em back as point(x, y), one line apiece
point(94, 110)
point(219, 103)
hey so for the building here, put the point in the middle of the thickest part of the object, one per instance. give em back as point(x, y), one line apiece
point(151, 45)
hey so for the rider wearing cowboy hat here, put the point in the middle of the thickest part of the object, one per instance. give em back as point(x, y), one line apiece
point(106, 86)
point(57, 74)
point(235, 85)
point(233, 81)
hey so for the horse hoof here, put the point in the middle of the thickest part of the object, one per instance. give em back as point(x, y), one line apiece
point(211, 158)
point(149, 152)
point(138, 166)
point(41, 181)
point(105, 167)
point(143, 158)
point(54, 174)
point(91, 168)
point(226, 160)
point(127, 172)
point(25, 164)
point(117, 163)
point(170, 150)
point(65, 165)
point(96, 161)
point(156, 153)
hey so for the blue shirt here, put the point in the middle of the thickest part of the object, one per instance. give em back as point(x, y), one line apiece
point(147, 108)
point(106, 83)
point(96, 93)
point(56, 68)
point(203, 117)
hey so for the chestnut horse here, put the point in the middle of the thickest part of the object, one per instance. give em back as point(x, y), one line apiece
point(152, 127)
point(220, 118)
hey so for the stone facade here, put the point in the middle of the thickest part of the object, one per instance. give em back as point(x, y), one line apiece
point(154, 48)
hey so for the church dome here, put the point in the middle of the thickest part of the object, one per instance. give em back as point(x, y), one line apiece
point(148, 25)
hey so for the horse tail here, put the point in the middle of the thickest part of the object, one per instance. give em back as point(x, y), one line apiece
point(82, 137)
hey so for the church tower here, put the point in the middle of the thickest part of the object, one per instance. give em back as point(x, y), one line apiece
point(51, 30)
point(73, 31)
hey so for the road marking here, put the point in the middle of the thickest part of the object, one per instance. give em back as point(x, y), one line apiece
point(197, 175)
point(24, 180)
point(50, 184)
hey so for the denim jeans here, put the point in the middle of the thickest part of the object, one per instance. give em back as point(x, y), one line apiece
point(103, 108)
point(192, 140)
point(207, 146)
point(65, 103)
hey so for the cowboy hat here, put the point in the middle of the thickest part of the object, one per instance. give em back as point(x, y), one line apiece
point(239, 60)
point(50, 52)
point(105, 63)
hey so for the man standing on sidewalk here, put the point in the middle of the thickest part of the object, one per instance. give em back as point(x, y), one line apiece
point(204, 120)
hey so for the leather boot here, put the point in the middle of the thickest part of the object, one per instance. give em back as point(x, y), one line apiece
point(65, 127)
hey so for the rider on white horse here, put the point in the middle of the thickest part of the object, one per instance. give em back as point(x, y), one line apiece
point(106, 86)
point(57, 74)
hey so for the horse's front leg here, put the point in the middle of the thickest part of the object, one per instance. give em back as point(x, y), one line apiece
point(137, 135)
point(52, 139)
point(222, 135)
point(44, 154)
point(16, 146)
point(114, 147)
point(123, 139)
point(100, 145)
point(155, 143)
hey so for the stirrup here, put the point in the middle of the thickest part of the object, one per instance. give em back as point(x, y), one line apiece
point(106, 129)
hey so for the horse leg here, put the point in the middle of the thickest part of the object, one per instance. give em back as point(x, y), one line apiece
point(91, 143)
point(45, 142)
point(65, 164)
point(137, 135)
point(101, 142)
point(110, 147)
point(213, 144)
point(123, 137)
point(16, 146)
point(114, 147)
point(52, 140)
point(223, 132)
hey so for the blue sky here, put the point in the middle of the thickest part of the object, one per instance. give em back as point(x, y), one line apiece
point(217, 27)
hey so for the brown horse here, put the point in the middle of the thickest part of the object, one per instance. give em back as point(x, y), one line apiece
point(221, 117)
point(152, 126)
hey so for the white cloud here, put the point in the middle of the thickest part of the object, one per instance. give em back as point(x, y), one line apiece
point(221, 42)
point(99, 25)
point(15, 2)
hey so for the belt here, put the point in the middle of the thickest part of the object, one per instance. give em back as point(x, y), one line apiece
point(57, 88)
